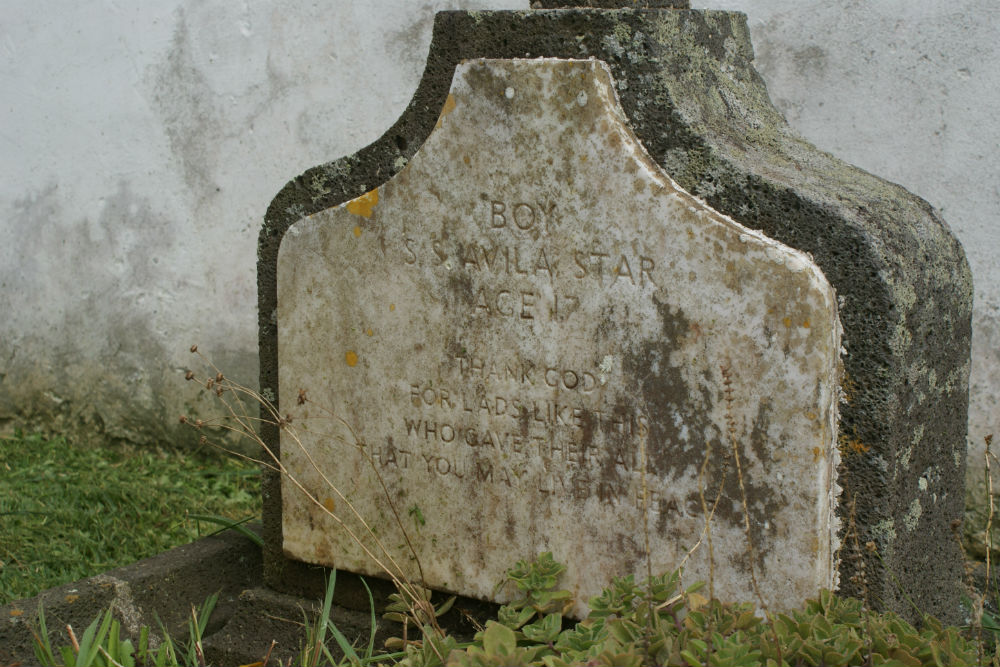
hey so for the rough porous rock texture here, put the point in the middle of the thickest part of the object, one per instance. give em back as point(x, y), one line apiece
point(687, 86)
point(611, 4)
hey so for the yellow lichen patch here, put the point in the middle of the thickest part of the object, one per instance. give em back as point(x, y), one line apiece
point(329, 505)
point(351, 358)
point(449, 106)
point(17, 612)
point(392, 307)
point(357, 231)
point(848, 388)
point(72, 598)
point(817, 453)
point(370, 332)
point(363, 206)
point(849, 445)
point(858, 447)
point(789, 323)
point(466, 160)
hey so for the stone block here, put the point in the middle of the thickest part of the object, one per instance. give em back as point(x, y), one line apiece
point(530, 339)
point(157, 592)
point(690, 95)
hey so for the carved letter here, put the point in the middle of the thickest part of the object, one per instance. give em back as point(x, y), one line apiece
point(481, 303)
point(505, 310)
point(646, 270)
point(542, 263)
point(623, 269)
point(412, 259)
point(527, 301)
point(469, 257)
point(498, 219)
point(580, 258)
point(524, 216)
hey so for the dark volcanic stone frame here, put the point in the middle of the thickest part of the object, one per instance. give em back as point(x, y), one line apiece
point(686, 82)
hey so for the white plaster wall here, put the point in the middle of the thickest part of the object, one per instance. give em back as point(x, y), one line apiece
point(140, 146)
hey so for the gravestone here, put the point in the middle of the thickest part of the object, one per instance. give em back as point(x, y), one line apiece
point(533, 340)
point(690, 95)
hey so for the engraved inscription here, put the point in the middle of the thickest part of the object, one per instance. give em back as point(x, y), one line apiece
point(522, 215)
point(521, 423)
point(534, 264)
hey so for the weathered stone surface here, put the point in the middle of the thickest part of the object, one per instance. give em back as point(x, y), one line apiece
point(686, 82)
point(540, 343)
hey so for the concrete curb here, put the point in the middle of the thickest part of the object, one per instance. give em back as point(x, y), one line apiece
point(163, 586)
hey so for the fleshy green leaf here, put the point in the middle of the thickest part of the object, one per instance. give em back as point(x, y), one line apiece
point(498, 639)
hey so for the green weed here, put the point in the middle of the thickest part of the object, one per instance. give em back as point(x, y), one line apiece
point(652, 623)
point(689, 629)
point(103, 646)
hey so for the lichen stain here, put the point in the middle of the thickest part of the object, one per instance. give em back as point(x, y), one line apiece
point(848, 388)
point(329, 504)
point(449, 106)
point(913, 515)
point(851, 445)
point(759, 442)
point(669, 401)
point(460, 291)
point(324, 555)
point(363, 206)
point(351, 357)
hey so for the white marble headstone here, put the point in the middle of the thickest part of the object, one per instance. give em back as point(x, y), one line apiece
point(539, 342)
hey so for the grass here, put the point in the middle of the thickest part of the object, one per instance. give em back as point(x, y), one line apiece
point(805, 639)
point(69, 512)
